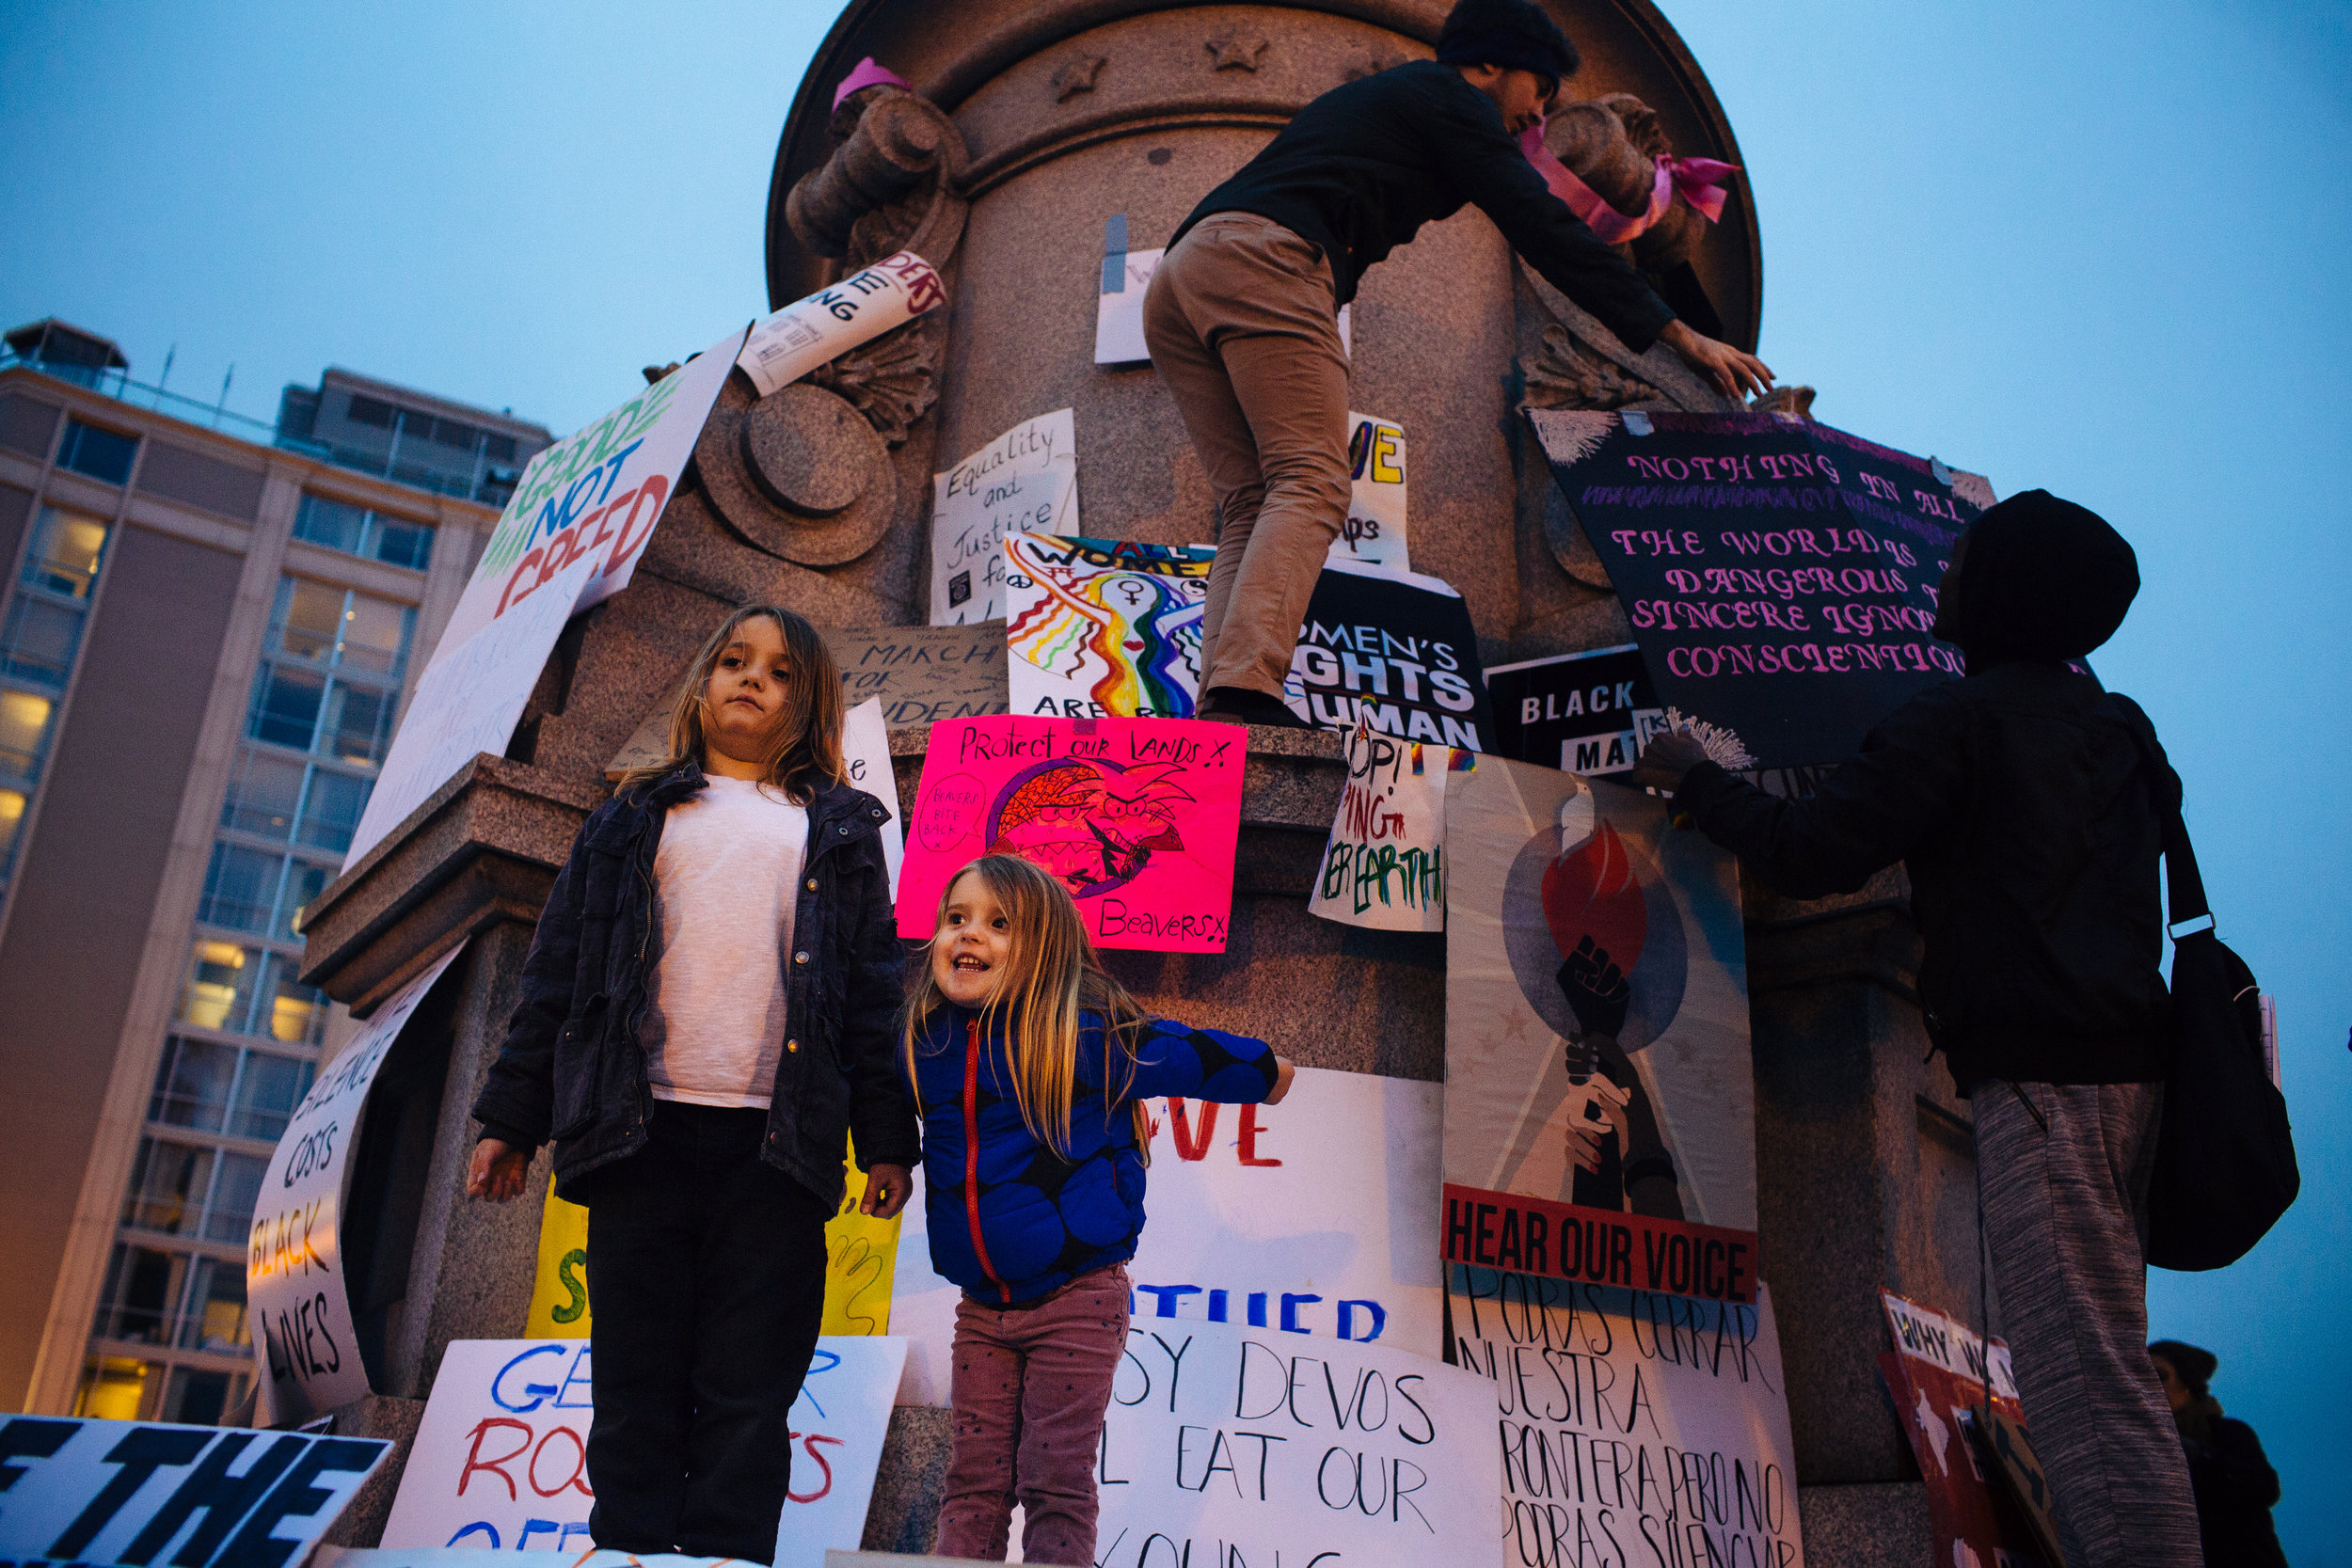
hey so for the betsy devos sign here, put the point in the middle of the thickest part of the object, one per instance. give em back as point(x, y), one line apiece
point(1780, 574)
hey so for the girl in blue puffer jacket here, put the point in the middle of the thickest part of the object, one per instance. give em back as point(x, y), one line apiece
point(1030, 1067)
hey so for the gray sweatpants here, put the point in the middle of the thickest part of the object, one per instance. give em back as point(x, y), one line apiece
point(2065, 1220)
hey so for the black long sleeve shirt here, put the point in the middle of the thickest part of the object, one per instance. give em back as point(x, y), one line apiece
point(1361, 170)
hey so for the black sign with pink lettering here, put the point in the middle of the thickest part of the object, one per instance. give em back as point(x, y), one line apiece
point(1780, 574)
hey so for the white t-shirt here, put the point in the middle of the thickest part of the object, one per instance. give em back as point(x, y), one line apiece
point(725, 880)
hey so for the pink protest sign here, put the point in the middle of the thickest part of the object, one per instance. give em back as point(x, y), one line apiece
point(1137, 817)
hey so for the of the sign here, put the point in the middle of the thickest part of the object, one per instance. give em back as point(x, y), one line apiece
point(304, 1338)
point(501, 1459)
point(142, 1492)
point(1026, 479)
point(1392, 650)
point(1305, 1218)
point(921, 675)
point(1097, 628)
point(1780, 574)
point(1384, 864)
point(1588, 713)
point(1936, 1377)
point(810, 332)
point(1139, 818)
point(1373, 533)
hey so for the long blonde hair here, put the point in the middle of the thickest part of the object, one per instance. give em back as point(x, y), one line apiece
point(1053, 977)
point(806, 751)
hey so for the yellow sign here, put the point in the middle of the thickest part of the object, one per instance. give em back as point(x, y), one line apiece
point(861, 1256)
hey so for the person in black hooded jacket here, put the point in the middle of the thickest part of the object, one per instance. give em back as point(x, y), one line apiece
point(2236, 1486)
point(2026, 803)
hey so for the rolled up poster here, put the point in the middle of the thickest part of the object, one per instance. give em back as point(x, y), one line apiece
point(838, 317)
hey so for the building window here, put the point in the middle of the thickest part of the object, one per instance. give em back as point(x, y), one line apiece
point(24, 735)
point(65, 554)
point(284, 797)
point(330, 673)
point(207, 1087)
point(44, 623)
point(112, 1388)
point(199, 1397)
point(358, 532)
point(12, 818)
point(139, 1303)
point(244, 990)
point(371, 411)
point(251, 890)
point(180, 1190)
point(101, 454)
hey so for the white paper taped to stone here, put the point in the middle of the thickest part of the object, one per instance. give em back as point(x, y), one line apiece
point(866, 750)
point(1118, 315)
point(835, 319)
point(1023, 481)
point(1373, 534)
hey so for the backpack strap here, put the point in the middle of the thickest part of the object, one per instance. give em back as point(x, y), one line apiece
point(2185, 888)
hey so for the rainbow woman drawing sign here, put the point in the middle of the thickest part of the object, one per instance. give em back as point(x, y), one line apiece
point(1100, 629)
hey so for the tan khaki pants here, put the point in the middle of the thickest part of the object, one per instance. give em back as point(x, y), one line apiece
point(1243, 329)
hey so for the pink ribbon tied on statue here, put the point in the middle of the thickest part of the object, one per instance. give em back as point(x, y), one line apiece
point(1697, 180)
point(867, 74)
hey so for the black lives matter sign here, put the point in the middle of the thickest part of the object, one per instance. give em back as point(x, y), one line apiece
point(1580, 712)
point(1780, 574)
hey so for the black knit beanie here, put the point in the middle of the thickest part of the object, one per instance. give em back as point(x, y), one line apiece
point(2041, 580)
point(1508, 33)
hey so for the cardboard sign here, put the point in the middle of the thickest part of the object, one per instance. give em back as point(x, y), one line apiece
point(1304, 1218)
point(810, 332)
point(1028, 478)
point(1635, 1427)
point(1392, 650)
point(1936, 1377)
point(1780, 574)
point(921, 675)
point(1373, 534)
point(305, 1342)
point(569, 538)
point(1096, 629)
point(1139, 818)
point(1597, 1027)
point(1588, 713)
point(144, 1492)
point(501, 1459)
point(1230, 1445)
point(1384, 864)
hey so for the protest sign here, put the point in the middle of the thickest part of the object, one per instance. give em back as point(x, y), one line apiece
point(1395, 650)
point(1634, 1426)
point(1936, 1377)
point(304, 1342)
point(1126, 275)
point(1384, 864)
point(145, 1492)
point(1373, 533)
point(1780, 574)
point(866, 752)
point(1139, 818)
point(1587, 713)
point(1316, 1216)
point(1095, 629)
point(921, 675)
point(1028, 478)
point(568, 539)
point(501, 1459)
point(1596, 1035)
point(786, 345)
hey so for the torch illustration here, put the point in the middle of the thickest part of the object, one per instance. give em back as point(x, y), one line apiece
point(1598, 920)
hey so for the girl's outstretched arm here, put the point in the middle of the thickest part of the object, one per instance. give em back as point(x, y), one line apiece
point(1176, 1059)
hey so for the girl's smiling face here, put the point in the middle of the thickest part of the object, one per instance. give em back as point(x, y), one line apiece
point(974, 947)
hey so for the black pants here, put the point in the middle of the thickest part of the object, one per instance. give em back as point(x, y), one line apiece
point(706, 1286)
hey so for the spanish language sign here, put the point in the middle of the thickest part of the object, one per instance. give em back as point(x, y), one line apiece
point(1373, 533)
point(1303, 1218)
point(1596, 1038)
point(921, 675)
point(1228, 1444)
point(1395, 650)
point(1384, 864)
point(1139, 818)
point(1096, 629)
point(81, 1491)
point(501, 1459)
point(1936, 1377)
point(1026, 479)
point(303, 1341)
point(810, 332)
point(1588, 713)
point(1635, 1426)
point(1780, 574)
point(568, 539)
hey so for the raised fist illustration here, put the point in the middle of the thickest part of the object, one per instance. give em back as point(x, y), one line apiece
point(1597, 991)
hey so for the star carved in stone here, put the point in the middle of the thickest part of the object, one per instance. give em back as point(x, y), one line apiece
point(1075, 75)
point(1235, 51)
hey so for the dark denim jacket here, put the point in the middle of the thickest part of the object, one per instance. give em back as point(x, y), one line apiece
point(572, 1069)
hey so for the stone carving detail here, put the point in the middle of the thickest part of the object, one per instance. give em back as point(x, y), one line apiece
point(1235, 51)
point(1371, 65)
point(797, 474)
point(1075, 75)
point(1569, 374)
point(1613, 144)
point(1786, 400)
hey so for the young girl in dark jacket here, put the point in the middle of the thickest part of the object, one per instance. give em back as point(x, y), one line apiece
point(1031, 1065)
point(707, 1012)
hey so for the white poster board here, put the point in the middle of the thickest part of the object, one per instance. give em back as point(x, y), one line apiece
point(1024, 480)
point(1317, 1216)
point(810, 332)
point(304, 1342)
point(1373, 534)
point(1119, 311)
point(1384, 864)
point(501, 1459)
point(145, 1492)
point(570, 538)
point(865, 747)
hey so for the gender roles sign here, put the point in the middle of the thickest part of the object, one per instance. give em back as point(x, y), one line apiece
point(1138, 817)
point(304, 1339)
point(786, 345)
point(1315, 1217)
point(1587, 713)
point(1027, 479)
point(1394, 651)
point(144, 1492)
point(1373, 533)
point(1384, 864)
point(1096, 629)
point(501, 1459)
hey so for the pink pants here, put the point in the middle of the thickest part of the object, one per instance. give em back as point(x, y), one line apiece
point(1031, 1385)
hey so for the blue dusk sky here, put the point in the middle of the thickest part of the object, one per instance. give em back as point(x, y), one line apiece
point(2048, 241)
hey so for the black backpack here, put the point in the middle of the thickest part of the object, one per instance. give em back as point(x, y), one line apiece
point(2225, 1156)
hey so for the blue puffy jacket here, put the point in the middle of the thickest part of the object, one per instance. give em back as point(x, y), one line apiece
point(1010, 1219)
